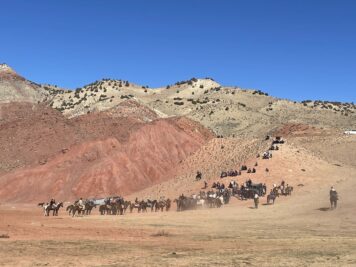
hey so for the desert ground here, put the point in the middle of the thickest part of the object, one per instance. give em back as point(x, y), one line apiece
point(298, 230)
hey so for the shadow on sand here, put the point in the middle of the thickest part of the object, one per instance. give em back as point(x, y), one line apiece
point(324, 209)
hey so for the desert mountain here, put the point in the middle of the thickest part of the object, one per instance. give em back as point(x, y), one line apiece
point(117, 137)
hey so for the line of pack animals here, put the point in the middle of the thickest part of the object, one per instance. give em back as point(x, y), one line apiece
point(218, 196)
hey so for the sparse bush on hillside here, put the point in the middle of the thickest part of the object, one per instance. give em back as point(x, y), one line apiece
point(209, 78)
point(167, 87)
point(259, 92)
point(189, 82)
point(60, 109)
point(201, 86)
point(179, 103)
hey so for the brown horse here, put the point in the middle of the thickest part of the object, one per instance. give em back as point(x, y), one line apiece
point(126, 205)
point(271, 197)
point(168, 204)
point(105, 209)
point(160, 205)
point(77, 209)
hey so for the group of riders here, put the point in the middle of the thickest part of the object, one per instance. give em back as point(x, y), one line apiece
point(211, 199)
point(214, 198)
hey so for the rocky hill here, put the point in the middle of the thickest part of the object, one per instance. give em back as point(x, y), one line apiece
point(15, 88)
point(97, 154)
point(117, 137)
point(228, 111)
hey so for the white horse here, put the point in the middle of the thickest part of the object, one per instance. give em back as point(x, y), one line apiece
point(201, 203)
point(44, 206)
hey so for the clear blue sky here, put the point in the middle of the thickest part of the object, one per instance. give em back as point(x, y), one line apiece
point(290, 49)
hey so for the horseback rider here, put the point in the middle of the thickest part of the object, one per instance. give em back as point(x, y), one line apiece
point(52, 203)
point(81, 204)
point(333, 198)
point(264, 187)
point(198, 176)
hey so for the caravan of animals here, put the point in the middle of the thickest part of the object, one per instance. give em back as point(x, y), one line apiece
point(216, 197)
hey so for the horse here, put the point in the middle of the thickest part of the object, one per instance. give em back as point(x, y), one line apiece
point(117, 206)
point(105, 209)
point(70, 209)
point(55, 208)
point(201, 203)
point(88, 206)
point(143, 206)
point(77, 209)
point(218, 202)
point(198, 176)
point(276, 190)
point(271, 197)
point(168, 204)
point(180, 204)
point(135, 206)
point(288, 191)
point(159, 205)
point(126, 205)
point(151, 204)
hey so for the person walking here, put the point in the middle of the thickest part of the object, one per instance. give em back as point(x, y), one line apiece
point(333, 198)
point(256, 199)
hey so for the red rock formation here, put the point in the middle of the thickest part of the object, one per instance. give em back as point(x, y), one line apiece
point(93, 155)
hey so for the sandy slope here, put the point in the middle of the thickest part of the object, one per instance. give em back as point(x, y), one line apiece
point(296, 231)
